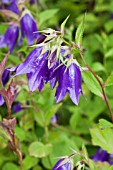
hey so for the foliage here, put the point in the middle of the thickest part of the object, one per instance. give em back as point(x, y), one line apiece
point(78, 131)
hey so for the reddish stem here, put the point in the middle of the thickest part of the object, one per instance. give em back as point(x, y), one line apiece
point(102, 87)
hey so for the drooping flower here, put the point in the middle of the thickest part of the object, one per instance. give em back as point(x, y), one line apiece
point(17, 107)
point(63, 164)
point(11, 5)
point(102, 156)
point(35, 66)
point(28, 27)
point(5, 79)
point(69, 81)
point(10, 37)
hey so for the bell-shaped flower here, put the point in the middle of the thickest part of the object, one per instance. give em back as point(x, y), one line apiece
point(69, 81)
point(35, 66)
point(102, 156)
point(28, 27)
point(63, 164)
point(11, 5)
point(5, 79)
point(10, 37)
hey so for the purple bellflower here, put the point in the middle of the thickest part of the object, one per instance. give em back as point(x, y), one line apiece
point(10, 37)
point(11, 5)
point(35, 66)
point(102, 156)
point(5, 79)
point(17, 107)
point(69, 81)
point(63, 166)
point(28, 27)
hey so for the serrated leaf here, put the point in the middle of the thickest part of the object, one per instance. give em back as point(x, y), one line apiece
point(39, 150)
point(79, 33)
point(92, 83)
point(109, 81)
point(63, 25)
point(46, 15)
point(103, 138)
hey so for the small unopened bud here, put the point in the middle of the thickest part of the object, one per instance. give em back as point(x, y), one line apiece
point(80, 165)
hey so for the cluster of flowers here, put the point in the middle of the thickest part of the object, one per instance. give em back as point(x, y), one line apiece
point(43, 66)
point(25, 24)
point(45, 63)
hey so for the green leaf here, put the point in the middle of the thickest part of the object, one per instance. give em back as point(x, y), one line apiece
point(63, 25)
point(9, 166)
point(92, 83)
point(105, 124)
point(109, 81)
point(103, 138)
point(74, 120)
point(39, 150)
point(79, 32)
point(46, 15)
point(29, 162)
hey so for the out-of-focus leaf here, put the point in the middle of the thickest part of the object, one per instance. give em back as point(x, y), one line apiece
point(97, 67)
point(105, 124)
point(109, 81)
point(74, 120)
point(109, 53)
point(92, 83)
point(102, 138)
point(9, 166)
point(39, 150)
point(46, 15)
point(29, 162)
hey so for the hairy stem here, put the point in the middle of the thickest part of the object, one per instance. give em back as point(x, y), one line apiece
point(102, 87)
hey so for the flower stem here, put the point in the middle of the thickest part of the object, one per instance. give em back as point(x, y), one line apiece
point(102, 86)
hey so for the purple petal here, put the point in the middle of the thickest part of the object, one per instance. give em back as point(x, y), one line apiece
point(13, 7)
point(69, 80)
point(28, 27)
point(29, 64)
point(10, 37)
point(75, 81)
point(36, 78)
point(66, 166)
point(62, 84)
point(1, 100)
point(5, 76)
point(17, 107)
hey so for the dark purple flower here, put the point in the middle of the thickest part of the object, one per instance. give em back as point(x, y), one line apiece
point(10, 37)
point(102, 156)
point(17, 107)
point(5, 76)
point(60, 165)
point(28, 28)
point(11, 5)
point(5, 79)
point(35, 66)
point(69, 80)
point(31, 2)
